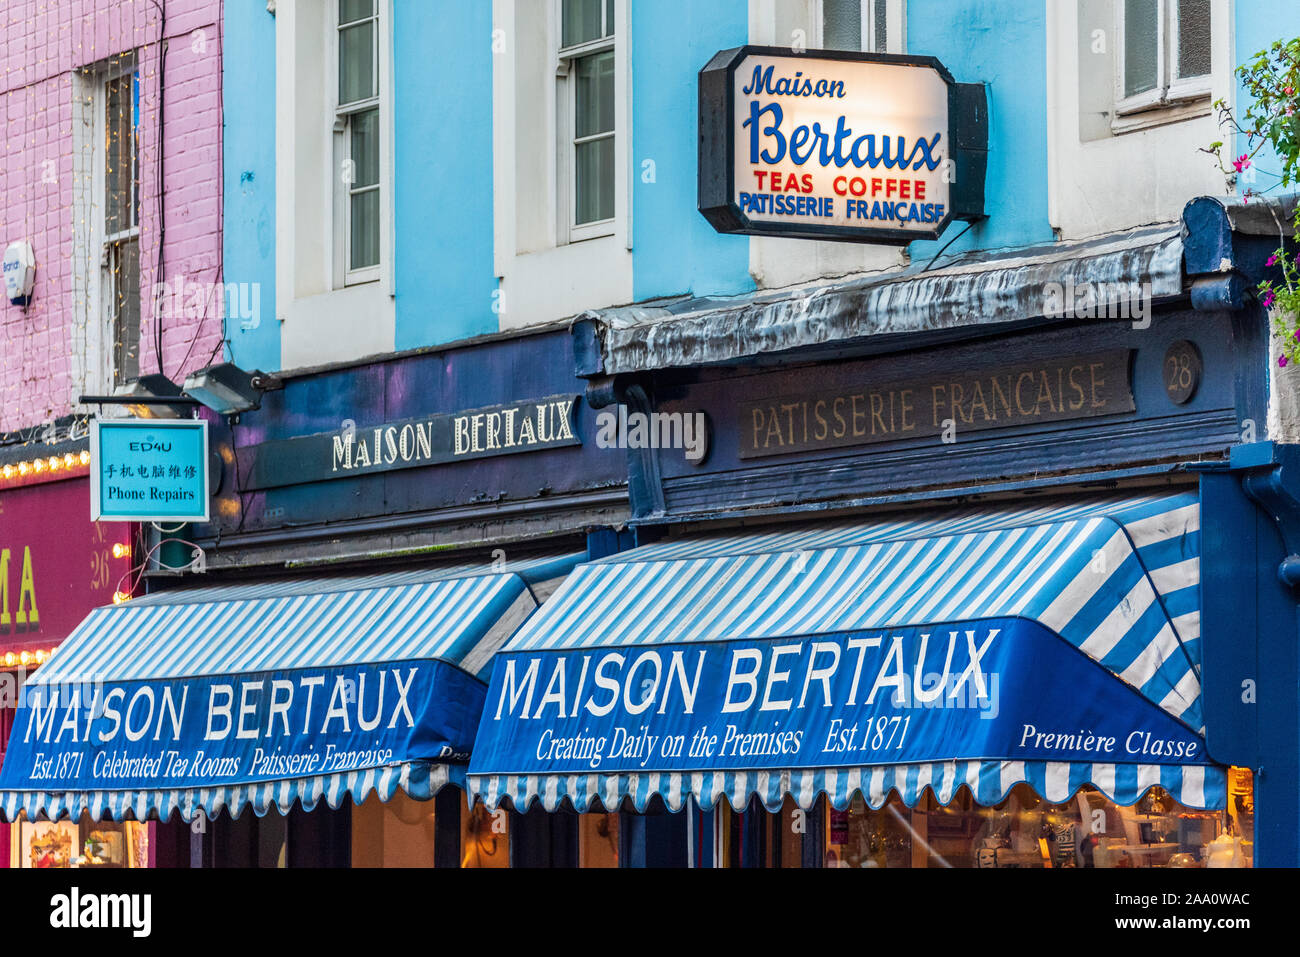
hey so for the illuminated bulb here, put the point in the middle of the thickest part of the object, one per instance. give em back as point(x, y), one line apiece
point(69, 460)
point(9, 471)
point(121, 550)
point(10, 659)
point(41, 656)
point(119, 597)
point(24, 657)
point(23, 468)
point(38, 466)
point(85, 457)
point(55, 463)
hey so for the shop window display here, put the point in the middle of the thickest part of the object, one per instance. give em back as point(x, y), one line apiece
point(485, 838)
point(598, 840)
point(1027, 831)
point(80, 844)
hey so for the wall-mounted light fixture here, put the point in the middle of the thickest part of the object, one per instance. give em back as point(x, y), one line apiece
point(228, 390)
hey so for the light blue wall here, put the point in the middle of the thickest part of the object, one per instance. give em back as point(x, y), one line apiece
point(675, 250)
point(1002, 43)
point(998, 42)
point(442, 53)
point(1259, 23)
point(248, 155)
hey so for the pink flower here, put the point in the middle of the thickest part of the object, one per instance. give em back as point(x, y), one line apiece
point(1241, 163)
point(1288, 91)
point(1282, 361)
point(1272, 260)
point(1296, 335)
point(1269, 298)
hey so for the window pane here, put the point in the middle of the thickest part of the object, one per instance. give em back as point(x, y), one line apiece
point(124, 261)
point(582, 22)
point(365, 148)
point(357, 63)
point(595, 181)
point(881, 26)
point(842, 24)
point(1194, 38)
point(352, 10)
point(365, 229)
point(1141, 46)
point(594, 100)
point(119, 155)
point(609, 18)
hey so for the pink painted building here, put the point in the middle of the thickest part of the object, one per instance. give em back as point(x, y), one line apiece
point(110, 167)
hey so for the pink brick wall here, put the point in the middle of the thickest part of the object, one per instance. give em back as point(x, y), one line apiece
point(42, 45)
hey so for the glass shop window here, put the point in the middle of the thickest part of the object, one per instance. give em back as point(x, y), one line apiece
point(1026, 831)
point(85, 844)
point(598, 840)
point(759, 838)
point(541, 838)
point(485, 838)
point(405, 832)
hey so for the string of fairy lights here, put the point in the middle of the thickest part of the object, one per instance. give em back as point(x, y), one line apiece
point(83, 165)
point(60, 137)
point(83, 105)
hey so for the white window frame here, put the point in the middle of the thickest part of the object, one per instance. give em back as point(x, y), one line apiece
point(102, 240)
point(895, 25)
point(342, 130)
point(1170, 89)
point(566, 111)
point(1188, 88)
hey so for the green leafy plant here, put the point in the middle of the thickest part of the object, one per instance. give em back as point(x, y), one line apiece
point(1271, 118)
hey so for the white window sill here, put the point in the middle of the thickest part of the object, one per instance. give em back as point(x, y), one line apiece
point(363, 276)
point(589, 231)
point(1186, 106)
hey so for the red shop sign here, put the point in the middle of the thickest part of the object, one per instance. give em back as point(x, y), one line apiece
point(55, 564)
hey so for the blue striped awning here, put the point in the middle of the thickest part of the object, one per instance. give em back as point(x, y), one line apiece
point(1116, 578)
point(452, 618)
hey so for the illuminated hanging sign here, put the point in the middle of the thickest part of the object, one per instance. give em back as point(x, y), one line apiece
point(149, 470)
point(870, 148)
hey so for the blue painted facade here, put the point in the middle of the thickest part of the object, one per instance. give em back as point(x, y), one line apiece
point(443, 197)
point(1003, 44)
point(1258, 26)
point(248, 152)
point(675, 252)
point(445, 281)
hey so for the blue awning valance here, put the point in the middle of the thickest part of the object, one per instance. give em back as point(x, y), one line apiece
point(1057, 644)
point(267, 695)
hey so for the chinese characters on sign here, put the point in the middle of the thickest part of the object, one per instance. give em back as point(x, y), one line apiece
point(143, 470)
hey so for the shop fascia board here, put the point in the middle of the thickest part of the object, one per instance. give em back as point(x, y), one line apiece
point(975, 296)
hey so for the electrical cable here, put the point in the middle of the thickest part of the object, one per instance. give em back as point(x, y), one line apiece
point(947, 244)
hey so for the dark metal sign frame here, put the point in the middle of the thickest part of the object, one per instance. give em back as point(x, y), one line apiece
point(968, 135)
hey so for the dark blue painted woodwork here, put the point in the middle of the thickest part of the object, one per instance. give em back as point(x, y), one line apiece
point(489, 372)
point(1250, 530)
point(1158, 432)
